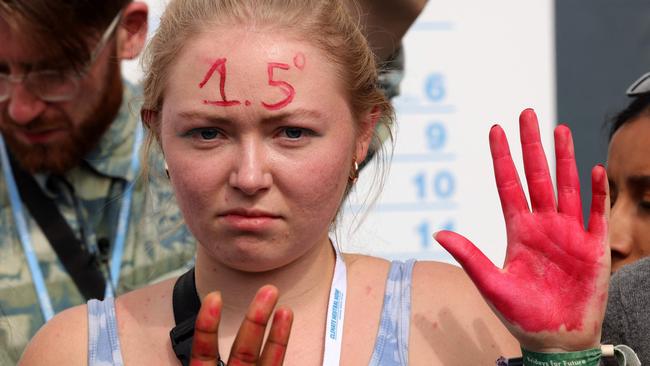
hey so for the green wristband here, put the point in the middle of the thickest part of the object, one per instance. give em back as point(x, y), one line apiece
point(590, 357)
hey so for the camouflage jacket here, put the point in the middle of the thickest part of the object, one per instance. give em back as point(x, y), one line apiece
point(157, 242)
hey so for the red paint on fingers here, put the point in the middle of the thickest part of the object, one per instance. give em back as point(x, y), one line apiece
point(599, 201)
point(568, 182)
point(276, 344)
point(540, 186)
point(204, 348)
point(511, 194)
point(205, 345)
point(550, 280)
point(246, 348)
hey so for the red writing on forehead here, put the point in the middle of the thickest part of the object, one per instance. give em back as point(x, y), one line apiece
point(220, 66)
point(299, 60)
point(286, 88)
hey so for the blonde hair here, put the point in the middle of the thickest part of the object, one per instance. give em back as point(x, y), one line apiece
point(326, 24)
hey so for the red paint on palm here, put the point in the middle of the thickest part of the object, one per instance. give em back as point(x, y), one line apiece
point(552, 276)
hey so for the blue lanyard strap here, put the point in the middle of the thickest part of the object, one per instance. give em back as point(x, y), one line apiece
point(19, 217)
point(123, 218)
point(38, 279)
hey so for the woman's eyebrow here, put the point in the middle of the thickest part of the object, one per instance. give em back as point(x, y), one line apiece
point(201, 116)
point(296, 113)
point(292, 115)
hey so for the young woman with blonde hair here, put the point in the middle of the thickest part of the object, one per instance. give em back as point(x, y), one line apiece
point(263, 110)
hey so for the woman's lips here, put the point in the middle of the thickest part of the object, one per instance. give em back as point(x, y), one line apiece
point(249, 221)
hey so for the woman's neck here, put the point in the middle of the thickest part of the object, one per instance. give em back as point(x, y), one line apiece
point(302, 284)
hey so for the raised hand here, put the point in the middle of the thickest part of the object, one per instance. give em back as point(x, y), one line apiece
point(552, 290)
point(248, 342)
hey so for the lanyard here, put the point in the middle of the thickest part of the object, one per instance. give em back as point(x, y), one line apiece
point(335, 313)
point(42, 293)
point(123, 218)
point(17, 210)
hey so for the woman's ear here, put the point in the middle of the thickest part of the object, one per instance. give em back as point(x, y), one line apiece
point(366, 133)
point(132, 31)
point(149, 118)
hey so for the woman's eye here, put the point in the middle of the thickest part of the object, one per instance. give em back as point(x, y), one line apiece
point(205, 133)
point(293, 132)
point(209, 134)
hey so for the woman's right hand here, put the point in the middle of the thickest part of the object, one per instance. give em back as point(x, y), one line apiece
point(248, 342)
point(552, 290)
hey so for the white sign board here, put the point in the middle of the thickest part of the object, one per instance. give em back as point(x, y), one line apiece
point(469, 64)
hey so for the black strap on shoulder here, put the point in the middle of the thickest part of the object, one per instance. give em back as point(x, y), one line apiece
point(186, 304)
point(81, 265)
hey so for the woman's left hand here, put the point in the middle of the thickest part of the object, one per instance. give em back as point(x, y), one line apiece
point(250, 337)
point(552, 290)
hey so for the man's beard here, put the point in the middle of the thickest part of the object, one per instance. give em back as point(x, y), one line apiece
point(67, 152)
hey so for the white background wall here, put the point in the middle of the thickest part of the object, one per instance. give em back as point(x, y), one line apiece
point(469, 64)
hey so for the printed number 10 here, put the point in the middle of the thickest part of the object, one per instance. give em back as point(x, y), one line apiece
point(442, 184)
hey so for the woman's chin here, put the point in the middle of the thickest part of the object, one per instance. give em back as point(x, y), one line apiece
point(250, 257)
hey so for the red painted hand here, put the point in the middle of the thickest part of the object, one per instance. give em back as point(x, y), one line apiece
point(552, 290)
point(248, 342)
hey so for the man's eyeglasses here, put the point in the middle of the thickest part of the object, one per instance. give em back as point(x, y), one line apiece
point(52, 85)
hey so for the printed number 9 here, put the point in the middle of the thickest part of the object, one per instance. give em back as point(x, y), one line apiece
point(436, 136)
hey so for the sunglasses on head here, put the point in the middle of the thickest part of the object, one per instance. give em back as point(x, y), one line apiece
point(640, 86)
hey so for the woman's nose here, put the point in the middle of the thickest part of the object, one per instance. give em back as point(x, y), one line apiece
point(251, 173)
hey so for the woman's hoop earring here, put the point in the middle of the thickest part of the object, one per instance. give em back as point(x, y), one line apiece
point(354, 174)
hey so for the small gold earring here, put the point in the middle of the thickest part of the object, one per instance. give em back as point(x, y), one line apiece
point(354, 174)
point(167, 170)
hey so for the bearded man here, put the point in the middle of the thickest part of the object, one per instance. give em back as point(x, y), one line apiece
point(76, 222)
